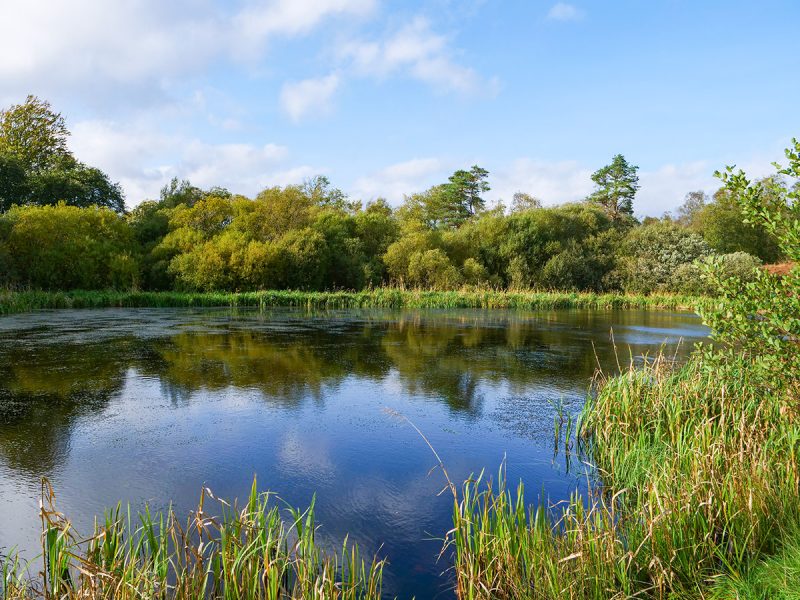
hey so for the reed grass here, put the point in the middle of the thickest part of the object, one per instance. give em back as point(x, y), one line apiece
point(22, 301)
point(250, 552)
point(700, 484)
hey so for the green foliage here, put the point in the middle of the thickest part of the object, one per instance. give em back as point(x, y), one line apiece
point(449, 205)
point(723, 224)
point(178, 192)
point(13, 181)
point(34, 134)
point(432, 269)
point(652, 255)
point(75, 184)
point(65, 247)
point(690, 278)
point(617, 185)
point(573, 237)
point(312, 237)
point(697, 466)
point(36, 166)
point(523, 201)
point(762, 317)
point(474, 273)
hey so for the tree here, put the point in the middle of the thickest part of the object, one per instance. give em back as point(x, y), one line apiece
point(34, 134)
point(652, 254)
point(321, 192)
point(617, 184)
point(523, 201)
point(36, 167)
point(693, 204)
point(726, 228)
point(762, 318)
point(467, 187)
point(76, 184)
point(178, 192)
point(13, 183)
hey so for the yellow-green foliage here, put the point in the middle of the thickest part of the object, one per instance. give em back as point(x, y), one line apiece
point(64, 247)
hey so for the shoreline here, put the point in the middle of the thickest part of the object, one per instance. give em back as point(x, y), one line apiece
point(26, 301)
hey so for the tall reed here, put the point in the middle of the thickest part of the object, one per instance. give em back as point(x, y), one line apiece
point(21, 301)
point(700, 484)
point(249, 552)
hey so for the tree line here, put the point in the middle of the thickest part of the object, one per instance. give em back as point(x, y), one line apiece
point(63, 225)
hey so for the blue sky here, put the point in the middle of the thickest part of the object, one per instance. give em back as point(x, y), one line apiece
point(387, 98)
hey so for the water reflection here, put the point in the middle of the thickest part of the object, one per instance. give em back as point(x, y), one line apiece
point(147, 405)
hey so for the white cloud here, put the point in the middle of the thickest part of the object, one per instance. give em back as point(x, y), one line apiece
point(259, 21)
point(665, 188)
point(398, 180)
point(133, 48)
point(309, 95)
point(561, 11)
point(417, 50)
point(552, 182)
point(143, 158)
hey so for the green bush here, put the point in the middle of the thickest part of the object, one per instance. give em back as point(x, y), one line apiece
point(432, 269)
point(652, 254)
point(66, 247)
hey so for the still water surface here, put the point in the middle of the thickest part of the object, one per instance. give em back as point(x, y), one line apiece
point(148, 405)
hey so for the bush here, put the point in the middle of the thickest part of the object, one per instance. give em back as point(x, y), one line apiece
point(653, 254)
point(66, 247)
point(432, 269)
point(474, 273)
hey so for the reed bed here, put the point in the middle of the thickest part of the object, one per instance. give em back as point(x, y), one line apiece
point(699, 497)
point(22, 301)
point(229, 552)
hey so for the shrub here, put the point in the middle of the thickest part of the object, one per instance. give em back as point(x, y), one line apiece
point(474, 273)
point(651, 255)
point(432, 269)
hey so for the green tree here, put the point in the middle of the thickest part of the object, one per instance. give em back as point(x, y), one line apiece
point(451, 204)
point(652, 254)
point(36, 167)
point(13, 181)
point(727, 229)
point(34, 134)
point(76, 184)
point(468, 187)
point(762, 318)
point(320, 191)
point(617, 185)
point(66, 247)
point(523, 201)
point(692, 206)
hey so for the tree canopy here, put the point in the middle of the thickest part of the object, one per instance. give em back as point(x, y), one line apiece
point(616, 187)
point(313, 236)
point(36, 166)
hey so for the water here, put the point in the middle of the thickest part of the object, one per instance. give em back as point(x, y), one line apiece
point(148, 405)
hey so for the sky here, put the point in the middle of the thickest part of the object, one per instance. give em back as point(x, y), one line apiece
point(387, 98)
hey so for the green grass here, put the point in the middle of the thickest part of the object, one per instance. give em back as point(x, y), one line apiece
point(776, 578)
point(256, 552)
point(15, 302)
point(700, 482)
